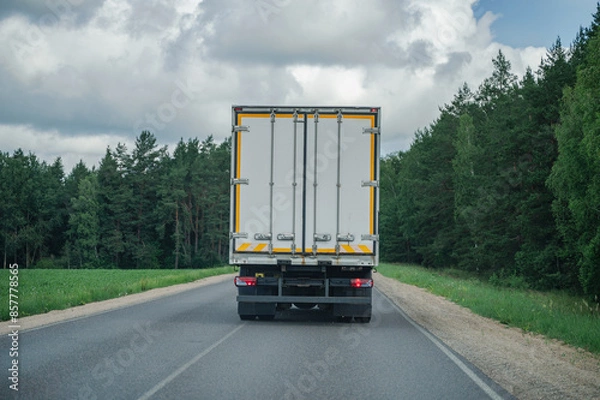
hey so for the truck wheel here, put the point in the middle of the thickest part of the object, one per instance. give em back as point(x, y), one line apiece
point(268, 317)
point(363, 320)
point(247, 317)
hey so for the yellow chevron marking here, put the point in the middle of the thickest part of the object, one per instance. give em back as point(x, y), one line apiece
point(244, 247)
point(260, 247)
point(348, 248)
point(364, 248)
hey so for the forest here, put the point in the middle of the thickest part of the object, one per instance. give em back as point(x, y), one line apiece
point(505, 183)
point(138, 209)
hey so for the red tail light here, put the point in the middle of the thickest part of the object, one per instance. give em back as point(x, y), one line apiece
point(361, 283)
point(242, 281)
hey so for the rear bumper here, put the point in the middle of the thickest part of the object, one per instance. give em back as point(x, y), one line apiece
point(303, 299)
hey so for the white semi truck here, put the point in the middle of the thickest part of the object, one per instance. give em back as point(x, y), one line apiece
point(304, 209)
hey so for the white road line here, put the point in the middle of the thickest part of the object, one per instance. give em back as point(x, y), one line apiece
point(185, 366)
point(468, 371)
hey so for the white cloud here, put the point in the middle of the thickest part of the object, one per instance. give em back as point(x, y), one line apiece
point(337, 84)
point(50, 145)
point(79, 87)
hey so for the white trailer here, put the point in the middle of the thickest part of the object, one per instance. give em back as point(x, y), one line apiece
point(304, 208)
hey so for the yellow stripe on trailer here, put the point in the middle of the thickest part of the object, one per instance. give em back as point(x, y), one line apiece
point(328, 251)
point(282, 250)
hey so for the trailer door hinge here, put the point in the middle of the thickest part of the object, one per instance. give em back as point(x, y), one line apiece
point(238, 235)
point(241, 181)
point(369, 183)
point(371, 131)
point(370, 237)
point(240, 128)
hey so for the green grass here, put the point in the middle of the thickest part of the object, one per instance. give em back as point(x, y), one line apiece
point(43, 290)
point(556, 315)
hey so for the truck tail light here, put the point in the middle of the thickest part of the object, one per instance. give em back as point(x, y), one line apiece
point(243, 281)
point(361, 283)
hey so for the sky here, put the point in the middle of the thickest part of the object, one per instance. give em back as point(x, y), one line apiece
point(80, 76)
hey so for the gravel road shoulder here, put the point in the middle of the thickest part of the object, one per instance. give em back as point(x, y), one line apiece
point(528, 366)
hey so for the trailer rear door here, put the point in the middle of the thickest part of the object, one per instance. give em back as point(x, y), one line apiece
point(305, 181)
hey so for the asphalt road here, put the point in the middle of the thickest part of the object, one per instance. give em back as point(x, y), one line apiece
point(192, 345)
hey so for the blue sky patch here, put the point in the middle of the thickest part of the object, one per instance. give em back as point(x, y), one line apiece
point(523, 23)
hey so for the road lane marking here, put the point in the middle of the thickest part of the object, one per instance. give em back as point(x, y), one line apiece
point(185, 366)
point(468, 371)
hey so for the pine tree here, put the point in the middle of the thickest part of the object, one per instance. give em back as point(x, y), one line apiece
point(555, 73)
point(113, 197)
point(575, 177)
point(144, 174)
point(83, 224)
point(502, 82)
point(210, 183)
point(28, 229)
point(9, 214)
point(580, 47)
point(175, 226)
point(54, 211)
point(467, 184)
point(427, 194)
point(393, 245)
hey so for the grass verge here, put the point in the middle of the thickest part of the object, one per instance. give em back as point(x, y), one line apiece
point(43, 290)
point(556, 315)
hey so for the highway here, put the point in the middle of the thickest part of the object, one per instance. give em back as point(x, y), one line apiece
point(192, 345)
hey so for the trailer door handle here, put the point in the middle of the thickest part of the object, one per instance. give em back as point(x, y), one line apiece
point(262, 236)
point(322, 237)
point(345, 238)
point(285, 236)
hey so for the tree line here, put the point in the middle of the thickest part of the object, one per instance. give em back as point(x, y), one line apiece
point(506, 182)
point(139, 209)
